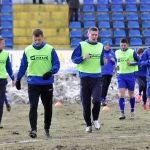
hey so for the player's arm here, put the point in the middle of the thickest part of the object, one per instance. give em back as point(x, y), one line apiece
point(23, 67)
point(76, 55)
point(9, 69)
point(145, 61)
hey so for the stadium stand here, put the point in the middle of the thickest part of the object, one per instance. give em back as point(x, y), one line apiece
point(54, 24)
point(114, 18)
point(6, 22)
point(117, 19)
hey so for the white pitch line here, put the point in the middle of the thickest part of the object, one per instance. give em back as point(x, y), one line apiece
point(73, 138)
point(20, 142)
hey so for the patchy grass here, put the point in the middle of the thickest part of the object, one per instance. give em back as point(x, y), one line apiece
point(68, 130)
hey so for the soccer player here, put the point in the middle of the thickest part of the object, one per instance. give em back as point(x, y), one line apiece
point(126, 76)
point(145, 61)
point(141, 78)
point(41, 62)
point(88, 57)
point(5, 67)
point(107, 70)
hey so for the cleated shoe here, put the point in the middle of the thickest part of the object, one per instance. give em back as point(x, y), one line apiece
point(1, 127)
point(122, 116)
point(33, 134)
point(96, 124)
point(103, 103)
point(47, 133)
point(88, 129)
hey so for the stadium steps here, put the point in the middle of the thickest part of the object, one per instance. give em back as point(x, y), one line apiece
point(55, 24)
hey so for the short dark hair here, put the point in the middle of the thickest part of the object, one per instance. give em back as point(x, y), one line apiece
point(37, 32)
point(140, 50)
point(93, 29)
point(124, 41)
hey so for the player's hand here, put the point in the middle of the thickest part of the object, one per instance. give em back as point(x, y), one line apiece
point(112, 59)
point(105, 60)
point(47, 75)
point(128, 63)
point(18, 85)
point(87, 56)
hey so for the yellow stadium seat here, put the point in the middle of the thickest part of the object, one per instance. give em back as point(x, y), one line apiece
point(52, 19)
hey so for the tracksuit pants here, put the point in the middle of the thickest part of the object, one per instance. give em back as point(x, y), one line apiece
point(90, 89)
point(3, 83)
point(106, 79)
point(46, 94)
point(142, 86)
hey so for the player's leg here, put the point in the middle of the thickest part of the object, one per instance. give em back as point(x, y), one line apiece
point(86, 101)
point(96, 94)
point(46, 97)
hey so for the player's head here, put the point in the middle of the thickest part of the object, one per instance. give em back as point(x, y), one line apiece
point(37, 37)
point(2, 43)
point(140, 50)
point(107, 45)
point(123, 44)
point(93, 34)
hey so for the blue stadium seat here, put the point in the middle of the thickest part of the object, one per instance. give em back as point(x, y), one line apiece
point(134, 33)
point(6, 24)
point(102, 8)
point(117, 16)
point(118, 24)
point(145, 8)
point(88, 8)
point(75, 25)
point(145, 16)
point(130, 8)
point(89, 16)
point(6, 9)
point(147, 41)
point(144, 2)
point(7, 33)
point(117, 41)
point(119, 33)
point(106, 39)
point(6, 2)
point(130, 1)
point(116, 1)
point(105, 33)
point(132, 16)
point(103, 16)
point(75, 33)
point(104, 24)
point(116, 8)
point(75, 42)
point(133, 24)
point(146, 24)
point(7, 17)
point(146, 33)
point(88, 2)
point(88, 24)
point(135, 41)
point(102, 1)
point(8, 42)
